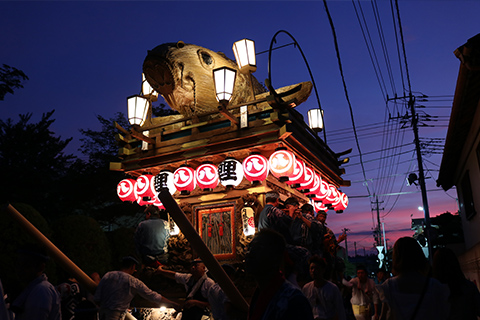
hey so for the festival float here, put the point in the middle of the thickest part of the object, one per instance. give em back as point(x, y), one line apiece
point(232, 142)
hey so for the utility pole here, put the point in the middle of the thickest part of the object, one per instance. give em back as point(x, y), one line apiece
point(355, 246)
point(421, 173)
point(378, 238)
point(346, 245)
point(421, 178)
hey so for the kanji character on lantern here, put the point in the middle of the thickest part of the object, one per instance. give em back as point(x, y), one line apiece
point(184, 179)
point(164, 180)
point(309, 180)
point(230, 172)
point(342, 204)
point(282, 164)
point(207, 176)
point(298, 175)
point(145, 186)
point(126, 190)
point(255, 168)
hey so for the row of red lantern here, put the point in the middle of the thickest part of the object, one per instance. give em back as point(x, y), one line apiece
point(255, 168)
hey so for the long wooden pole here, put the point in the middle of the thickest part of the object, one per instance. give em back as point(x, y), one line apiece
point(201, 248)
point(52, 250)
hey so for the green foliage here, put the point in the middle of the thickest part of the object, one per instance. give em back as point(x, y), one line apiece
point(100, 146)
point(161, 111)
point(10, 78)
point(84, 242)
point(33, 162)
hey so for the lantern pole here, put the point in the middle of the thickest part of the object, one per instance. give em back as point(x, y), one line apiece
point(56, 254)
point(268, 82)
point(201, 248)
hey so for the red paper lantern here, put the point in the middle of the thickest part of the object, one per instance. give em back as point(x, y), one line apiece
point(282, 164)
point(144, 201)
point(342, 204)
point(184, 179)
point(309, 180)
point(207, 176)
point(332, 196)
point(318, 206)
point(156, 202)
point(145, 186)
point(255, 168)
point(126, 190)
point(298, 175)
point(322, 192)
point(317, 182)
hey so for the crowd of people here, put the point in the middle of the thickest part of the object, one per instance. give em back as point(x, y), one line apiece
point(292, 259)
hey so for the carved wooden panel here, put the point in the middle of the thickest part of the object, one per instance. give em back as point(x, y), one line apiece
point(216, 227)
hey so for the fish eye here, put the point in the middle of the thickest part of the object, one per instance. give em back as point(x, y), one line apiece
point(207, 59)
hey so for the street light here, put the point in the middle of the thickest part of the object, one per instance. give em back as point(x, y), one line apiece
point(315, 119)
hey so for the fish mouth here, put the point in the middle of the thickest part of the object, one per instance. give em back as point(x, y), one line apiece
point(159, 74)
point(170, 79)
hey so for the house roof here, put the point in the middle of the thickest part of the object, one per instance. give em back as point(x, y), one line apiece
point(465, 104)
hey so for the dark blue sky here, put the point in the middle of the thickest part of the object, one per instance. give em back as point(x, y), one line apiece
point(84, 58)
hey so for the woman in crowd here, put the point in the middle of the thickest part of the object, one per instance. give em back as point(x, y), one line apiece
point(411, 293)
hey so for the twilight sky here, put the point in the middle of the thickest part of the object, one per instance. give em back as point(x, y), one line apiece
point(84, 58)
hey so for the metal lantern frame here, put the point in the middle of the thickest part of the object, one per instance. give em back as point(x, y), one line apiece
point(138, 108)
point(244, 51)
point(224, 81)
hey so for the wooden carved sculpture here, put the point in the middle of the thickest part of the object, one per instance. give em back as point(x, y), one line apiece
point(183, 74)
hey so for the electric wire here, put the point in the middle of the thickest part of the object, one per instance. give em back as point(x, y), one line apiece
point(345, 89)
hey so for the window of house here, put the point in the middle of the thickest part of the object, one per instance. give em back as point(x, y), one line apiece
point(466, 196)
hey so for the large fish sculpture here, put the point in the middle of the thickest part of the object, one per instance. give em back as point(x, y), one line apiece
point(183, 74)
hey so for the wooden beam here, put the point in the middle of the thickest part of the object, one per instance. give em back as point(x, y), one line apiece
point(201, 248)
point(141, 136)
point(71, 268)
point(227, 114)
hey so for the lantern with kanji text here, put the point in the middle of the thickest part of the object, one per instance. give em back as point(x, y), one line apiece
point(316, 185)
point(164, 181)
point(207, 176)
point(309, 180)
point(255, 168)
point(126, 190)
point(145, 186)
point(282, 164)
point(298, 175)
point(184, 179)
point(230, 172)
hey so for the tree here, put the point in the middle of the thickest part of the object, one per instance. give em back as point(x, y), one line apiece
point(33, 163)
point(10, 78)
point(93, 180)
